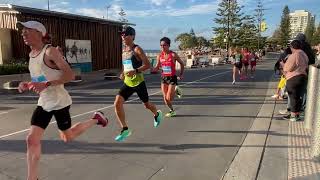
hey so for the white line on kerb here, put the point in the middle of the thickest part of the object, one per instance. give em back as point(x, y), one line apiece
point(107, 107)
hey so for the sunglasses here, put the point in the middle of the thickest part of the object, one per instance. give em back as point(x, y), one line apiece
point(125, 34)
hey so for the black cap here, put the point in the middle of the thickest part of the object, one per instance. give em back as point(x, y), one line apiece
point(128, 31)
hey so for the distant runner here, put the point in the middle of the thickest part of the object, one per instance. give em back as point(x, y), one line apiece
point(167, 60)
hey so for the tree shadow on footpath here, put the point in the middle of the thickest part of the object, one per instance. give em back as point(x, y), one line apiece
point(78, 147)
point(81, 147)
point(272, 133)
point(218, 116)
point(158, 100)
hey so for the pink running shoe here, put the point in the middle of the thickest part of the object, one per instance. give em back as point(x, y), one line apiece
point(102, 120)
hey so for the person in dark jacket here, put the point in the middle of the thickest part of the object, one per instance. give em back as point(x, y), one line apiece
point(282, 58)
point(306, 47)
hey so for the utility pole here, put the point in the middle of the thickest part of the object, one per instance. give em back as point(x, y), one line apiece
point(48, 5)
point(260, 18)
point(228, 30)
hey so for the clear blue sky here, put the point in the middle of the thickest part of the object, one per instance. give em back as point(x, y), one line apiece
point(157, 18)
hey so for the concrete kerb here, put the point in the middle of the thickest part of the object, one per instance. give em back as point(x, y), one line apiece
point(247, 160)
point(274, 164)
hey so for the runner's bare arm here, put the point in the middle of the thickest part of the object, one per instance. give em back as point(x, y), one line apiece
point(142, 56)
point(56, 57)
point(23, 86)
point(156, 68)
point(121, 75)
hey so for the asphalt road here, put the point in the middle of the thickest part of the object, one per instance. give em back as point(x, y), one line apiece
point(200, 143)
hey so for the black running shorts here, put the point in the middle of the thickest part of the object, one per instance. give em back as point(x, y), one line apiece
point(169, 80)
point(238, 65)
point(42, 118)
point(141, 90)
point(245, 63)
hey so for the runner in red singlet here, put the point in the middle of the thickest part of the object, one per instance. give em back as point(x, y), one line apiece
point(167, 60)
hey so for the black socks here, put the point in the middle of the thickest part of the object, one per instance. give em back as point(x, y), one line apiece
point(124, 128)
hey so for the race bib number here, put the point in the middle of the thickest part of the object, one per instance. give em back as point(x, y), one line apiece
point(37, 75)
point(127, 65)
point(252, 59)
point(166, 69)
point(237, 58)
point(41, 78)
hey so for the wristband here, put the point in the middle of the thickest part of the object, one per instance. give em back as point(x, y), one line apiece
point(137, 71)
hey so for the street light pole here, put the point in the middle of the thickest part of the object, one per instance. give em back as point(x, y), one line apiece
point(260, 15)
point(228, 29)
point(108, 6)
point(259, 25)
point(48, 5)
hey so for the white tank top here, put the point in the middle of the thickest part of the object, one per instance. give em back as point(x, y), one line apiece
point(53, 97)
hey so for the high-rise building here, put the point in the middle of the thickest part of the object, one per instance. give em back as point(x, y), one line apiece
point(299, 20)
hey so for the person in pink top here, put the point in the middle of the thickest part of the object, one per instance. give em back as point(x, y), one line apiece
point(295, 71)
point(167, 60)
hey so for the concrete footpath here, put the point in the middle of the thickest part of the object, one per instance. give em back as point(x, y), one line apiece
point(274, 149)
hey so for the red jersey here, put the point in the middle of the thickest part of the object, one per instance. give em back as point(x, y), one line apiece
point(246, 57)
point(168, 65)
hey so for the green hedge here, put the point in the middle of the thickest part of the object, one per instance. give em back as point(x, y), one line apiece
point(13, 69)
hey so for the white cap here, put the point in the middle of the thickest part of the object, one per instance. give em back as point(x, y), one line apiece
point(34, 25)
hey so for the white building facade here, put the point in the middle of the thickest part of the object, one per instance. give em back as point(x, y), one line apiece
point(299, 20)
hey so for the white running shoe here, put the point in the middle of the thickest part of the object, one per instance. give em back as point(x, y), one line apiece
point(284, 111)
point(178, 92)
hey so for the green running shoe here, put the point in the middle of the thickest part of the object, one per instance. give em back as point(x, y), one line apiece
point(171, 114)
point(157, 119)
point(123, 135)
